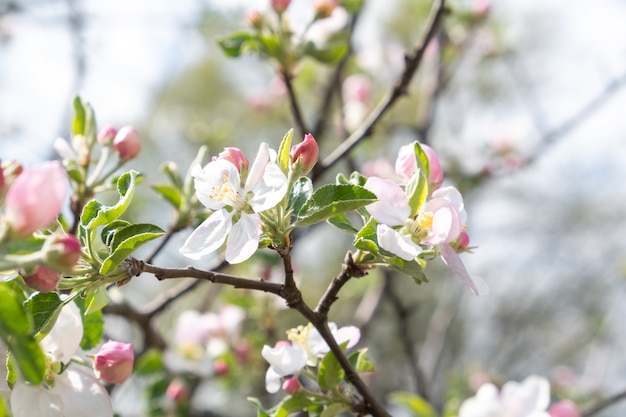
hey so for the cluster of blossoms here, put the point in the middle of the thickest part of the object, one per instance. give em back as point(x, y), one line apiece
point(304, 348)
point(437, 225)
point(527, 399)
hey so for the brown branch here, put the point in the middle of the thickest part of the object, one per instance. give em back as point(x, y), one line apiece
point(349, 270)
point(293, 101)
point(605, 404)
point(398, 90)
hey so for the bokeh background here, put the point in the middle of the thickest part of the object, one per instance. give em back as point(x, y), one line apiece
point(524, 101)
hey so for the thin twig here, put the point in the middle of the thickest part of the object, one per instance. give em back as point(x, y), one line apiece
point(398, 90)
point(293, 102)
point(349, 270)
point(605, 404)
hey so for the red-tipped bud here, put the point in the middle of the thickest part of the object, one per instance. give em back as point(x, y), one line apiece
point(237, 158)
point(62, 253)
point(36, 197)
point(106, 135)
point(324, 8)
point(564, 408)
point(221, 368)
point(127, 143)
point(113, 364)
point(280, 5)
point(304, 155)
point(462, 242)
point(43, 279)
point(291, 386)
point(177, 391)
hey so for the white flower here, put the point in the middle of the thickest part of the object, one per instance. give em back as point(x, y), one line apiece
point(74, 392)
point(528, 399)
point(218, 187)
point(284, 359)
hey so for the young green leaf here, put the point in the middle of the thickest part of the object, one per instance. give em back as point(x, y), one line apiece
point(416, 405)
point(237, 43)
point(283, 158)
point(95, 214)
point(330, 372)
point(170, 193)
point(343, 223)
point(335, 409)
point(44, 308)
point(300, 193)
point(332, 200)
point(126, 241)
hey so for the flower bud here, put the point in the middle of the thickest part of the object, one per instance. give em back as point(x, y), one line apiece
point(237, 158)
point(304, 155)
point(406, 164)
point(62, 253)
point(462, 242)
point(291, 386)
point(221, 368)
point(254, 18)
point(127, 143)
point(43, 279)
point(324, 8)
point(280, 5)
point(113, 364)
point(564, 408)
point(106, 135)
point(35, 198)
point(177, 391)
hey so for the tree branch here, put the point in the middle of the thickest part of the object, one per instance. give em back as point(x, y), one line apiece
point(605, 404)
point(293, 101)
point(399, 89)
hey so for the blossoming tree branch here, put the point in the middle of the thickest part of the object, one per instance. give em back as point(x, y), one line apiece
point(59, 263)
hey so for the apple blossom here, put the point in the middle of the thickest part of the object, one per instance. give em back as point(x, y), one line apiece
point(406, 164)
point(113, 363)
point(564, 408)
point(527, 399)
point(304, 155)
point(62, 252)
point(237, 207)
point(284, 359)
point(36, 197)
point(71, 393)
point(42, 279)
point(127, 143)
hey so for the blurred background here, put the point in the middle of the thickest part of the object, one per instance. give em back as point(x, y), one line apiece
point(524, 102)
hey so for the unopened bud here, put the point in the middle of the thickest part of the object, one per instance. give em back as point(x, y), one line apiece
point(564, 408)
point(127, 143)
point(106, 135)
point(462, 242)
point(291, 386)
point(43, 279)
point(177, 391)
point(254, 18)
point(62, 253)
point(280, 5)
point(113, 363)
point(236, 157)
point(221, 368)
point(324, 8)
point(304, 155)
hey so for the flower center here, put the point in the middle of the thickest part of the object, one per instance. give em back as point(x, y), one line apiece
point(227, 194)
point(425, 220)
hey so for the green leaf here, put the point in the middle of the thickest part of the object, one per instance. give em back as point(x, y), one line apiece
point(93, 324)
point(95, 214)
point(149, 363)
point(78, 121)
point(342, 222)
point(237, 43)
point(335, 409)
point(361, 362)
point(170, 193)
point(44, 308)
point(261, 412)
point(366, 239)
point(330, 372)
point(16, 331)
point(126, 240)
point(300, 193)
point(332, 200)
point(283, 158)
point(411, 268)
point(422, 160)
point(413, 403)
point(108, 232)
point(417, 191)
point(95, 300)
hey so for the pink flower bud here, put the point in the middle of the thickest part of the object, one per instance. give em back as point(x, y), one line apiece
point(62, 253)
point(127, 143)
point(304, 155)
point(291, 386)
point(324, 8)
point(36, 197)
point(221, 368)
point(106, 135)
point(113, 364)
point(177, 391)
point(235, 156)
point(481, 8)
point(280, 5)
point(254, 18)
point(436, 173)
point(462, 242)
point(406, 165)
point(564, 408)
point(43, 279)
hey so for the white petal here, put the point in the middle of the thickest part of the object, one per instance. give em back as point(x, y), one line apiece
point(272, 381)
point(209, 236)
point(64, 338)
point(64, 149)
point(530, 396)
point(34, 401)
point(285, 360)
point(452, 260)
point(392, 207)
point(82, 395)
point(257, 170)
point(270, 191)
point(453, 196)
point(400, 245)
point(243, 239)
point(211, 177)
point(350, 334)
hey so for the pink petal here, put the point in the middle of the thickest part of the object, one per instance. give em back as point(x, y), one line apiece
point(452, 260)
point(392, 207)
